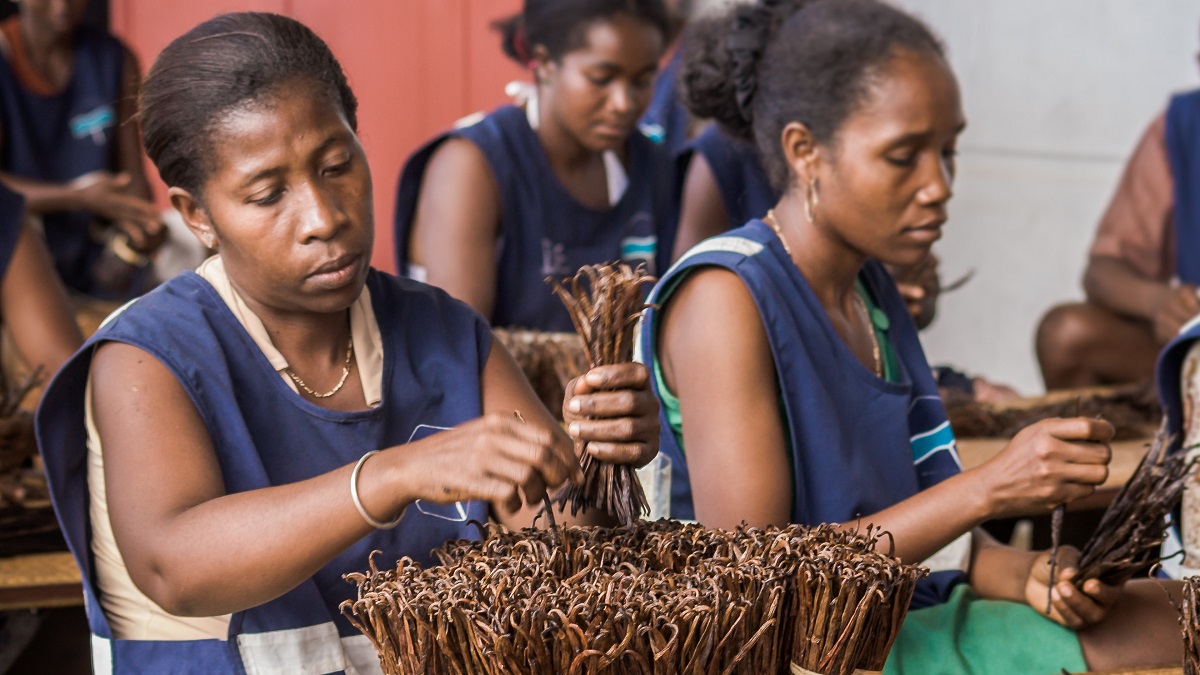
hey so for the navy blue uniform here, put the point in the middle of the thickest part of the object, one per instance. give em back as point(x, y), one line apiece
point(860, 444)
point(12, 210)
point(543, 230)
point(1183, 153)
point(62, 137)
point(745, 190)
point(265, 434)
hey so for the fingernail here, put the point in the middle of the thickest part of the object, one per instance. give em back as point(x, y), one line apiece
point(575, 405)
point(573, 428)
point(595, 379)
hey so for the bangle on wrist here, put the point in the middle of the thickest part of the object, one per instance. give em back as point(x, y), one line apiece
point(121, 248)
point(358, 502)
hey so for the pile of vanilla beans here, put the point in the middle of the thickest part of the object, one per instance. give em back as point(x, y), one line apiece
point(1134, 412)
point(549, 361)
point(605, 302)
point(658, 597)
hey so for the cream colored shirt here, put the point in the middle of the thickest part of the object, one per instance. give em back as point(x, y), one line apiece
point(131, 614)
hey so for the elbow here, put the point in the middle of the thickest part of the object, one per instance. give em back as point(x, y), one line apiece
point(174, 594)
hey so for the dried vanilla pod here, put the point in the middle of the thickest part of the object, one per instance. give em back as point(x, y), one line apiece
point(1129, 537)
point(604, 302)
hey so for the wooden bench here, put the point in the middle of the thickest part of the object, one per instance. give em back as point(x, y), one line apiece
point(40, 580)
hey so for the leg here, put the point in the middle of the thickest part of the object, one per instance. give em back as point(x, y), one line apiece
point(1084, 345)
point(1143, 629)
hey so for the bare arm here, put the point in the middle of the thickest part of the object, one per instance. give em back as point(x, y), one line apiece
point(1113, 284)
point(35, 306)
point(198, 551)
point(456, 224)
point(702, 213)
point(717, 361)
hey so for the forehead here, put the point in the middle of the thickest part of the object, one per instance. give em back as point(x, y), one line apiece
point(282, 127)
point(619, 39)
point(911, 93)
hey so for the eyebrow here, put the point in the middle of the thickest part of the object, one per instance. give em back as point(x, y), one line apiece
point(273, 171)
point(609, 65)
point(918, 136)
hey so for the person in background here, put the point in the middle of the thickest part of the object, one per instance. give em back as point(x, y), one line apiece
point(666, 120)
point(1143, 269)
point(490, 210)
point(232, 443)
point(794, 388)
point(67, 143)
point(724, 186)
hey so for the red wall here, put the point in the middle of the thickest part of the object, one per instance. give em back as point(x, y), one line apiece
point(416, 66)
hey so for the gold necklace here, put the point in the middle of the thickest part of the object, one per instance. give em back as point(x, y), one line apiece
point(770, 219)
point(345, 374)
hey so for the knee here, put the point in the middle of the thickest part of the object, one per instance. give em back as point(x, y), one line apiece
point(1066, 334)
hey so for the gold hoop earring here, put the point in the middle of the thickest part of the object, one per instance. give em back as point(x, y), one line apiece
point(811, 199)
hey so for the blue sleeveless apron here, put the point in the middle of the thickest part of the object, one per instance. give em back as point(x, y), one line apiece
point(860, 444)
point(12, 212)
point(544, 231)
point(1183, 152)
point(62, 137)
point(745, 190)
point(666, 120)
point(265, 434)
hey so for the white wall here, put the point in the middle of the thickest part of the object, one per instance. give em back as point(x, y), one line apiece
point(1056, 94)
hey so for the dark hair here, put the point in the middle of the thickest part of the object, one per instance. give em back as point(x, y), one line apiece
point(759, 67)
point(558, 25)
point(230, 61)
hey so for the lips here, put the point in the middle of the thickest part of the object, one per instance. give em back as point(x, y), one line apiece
point(336, 272)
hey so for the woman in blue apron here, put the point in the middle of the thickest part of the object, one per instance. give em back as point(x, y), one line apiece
point(229, 445)
point(36, 314)
point(794, 387)
point(67, 145)
point(490, 210)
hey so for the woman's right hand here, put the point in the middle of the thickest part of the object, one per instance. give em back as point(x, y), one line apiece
point(1048, 463)
point(107, 196)
point(496, 458)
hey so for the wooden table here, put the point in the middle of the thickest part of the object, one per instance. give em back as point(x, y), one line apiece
point(40, 580)
point(1125, 458)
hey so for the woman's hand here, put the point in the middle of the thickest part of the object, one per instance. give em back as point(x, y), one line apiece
point(495, 458)
point(1069, 605)
point(614, 412)
point(107, 195)
point(1178, 307)
point(1048, 463)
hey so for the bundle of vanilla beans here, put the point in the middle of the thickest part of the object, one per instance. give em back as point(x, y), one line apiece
point(1133, 411)
point(604, 302)
point(658, 597)
point(1129, 537)
point(1191, 626)
point(549, 361)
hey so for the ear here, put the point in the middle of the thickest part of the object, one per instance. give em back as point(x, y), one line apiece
point(801, 151)
point(543, 66)
point(195, 217)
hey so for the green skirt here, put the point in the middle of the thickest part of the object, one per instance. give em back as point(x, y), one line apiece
point(969, 636)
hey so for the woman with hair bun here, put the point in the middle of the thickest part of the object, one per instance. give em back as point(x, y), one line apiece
point(228, 446)
point(490, 210)
point(793, 386)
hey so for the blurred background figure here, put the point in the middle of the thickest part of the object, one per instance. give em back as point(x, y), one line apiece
point(66, 144)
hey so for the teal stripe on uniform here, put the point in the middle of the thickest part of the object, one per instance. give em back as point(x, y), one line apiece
point(924, 445)
point(636, 247)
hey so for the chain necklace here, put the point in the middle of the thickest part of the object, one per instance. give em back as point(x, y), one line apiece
point(770, 219)
point(345, 374)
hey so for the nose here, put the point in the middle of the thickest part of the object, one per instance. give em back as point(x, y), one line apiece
point(620, 98)
point(939, 186)
point(321, 215)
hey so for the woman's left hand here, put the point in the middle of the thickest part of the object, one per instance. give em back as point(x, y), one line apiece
point(1069, 606)
point(613, 411)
